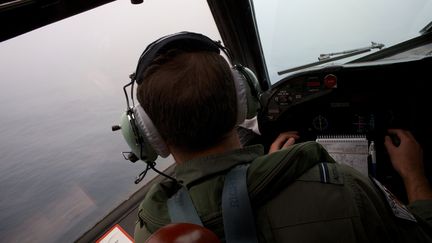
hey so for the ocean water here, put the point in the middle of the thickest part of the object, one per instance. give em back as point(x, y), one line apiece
point(60, 164)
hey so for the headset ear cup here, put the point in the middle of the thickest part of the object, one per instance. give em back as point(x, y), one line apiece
point(149, 131)
point(248, 92)
point(241, 96)
point(131, 136)
point(252, 80)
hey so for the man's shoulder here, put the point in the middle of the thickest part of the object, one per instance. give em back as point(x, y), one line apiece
point(153, 209)
point(307, 161)
point(277, 170)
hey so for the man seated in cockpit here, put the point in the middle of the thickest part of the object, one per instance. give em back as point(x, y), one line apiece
point(190, 95)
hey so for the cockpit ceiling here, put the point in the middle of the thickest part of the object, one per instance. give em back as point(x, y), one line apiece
point(21, 16)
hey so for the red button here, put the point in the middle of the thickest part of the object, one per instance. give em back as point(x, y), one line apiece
point(330, 81)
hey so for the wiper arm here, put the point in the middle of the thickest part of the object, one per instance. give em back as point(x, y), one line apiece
point(323, 58)
point(350, 52)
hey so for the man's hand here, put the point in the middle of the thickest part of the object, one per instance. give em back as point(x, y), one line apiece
point(407, 160)
point(284, 140)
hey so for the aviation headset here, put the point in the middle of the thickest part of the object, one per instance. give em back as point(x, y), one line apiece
point(137, 128)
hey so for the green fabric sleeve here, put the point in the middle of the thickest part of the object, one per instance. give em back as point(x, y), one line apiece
point(422, 209)
point(141, 233)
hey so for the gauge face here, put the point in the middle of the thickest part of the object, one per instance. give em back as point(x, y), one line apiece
point(360, 123)
point(320, 123)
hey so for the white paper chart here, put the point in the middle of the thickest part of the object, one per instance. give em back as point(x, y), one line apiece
point(351, 150)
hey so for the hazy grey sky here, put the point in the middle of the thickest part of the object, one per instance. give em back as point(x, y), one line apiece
point(295, 32)
point(100, 44)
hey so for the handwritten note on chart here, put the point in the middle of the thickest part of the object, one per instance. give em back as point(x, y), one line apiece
point(351, 150)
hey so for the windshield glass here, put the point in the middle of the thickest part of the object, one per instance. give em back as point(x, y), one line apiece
point(296, 32)
point(61, 168)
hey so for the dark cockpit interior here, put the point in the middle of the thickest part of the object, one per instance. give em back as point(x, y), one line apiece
point(357, 99)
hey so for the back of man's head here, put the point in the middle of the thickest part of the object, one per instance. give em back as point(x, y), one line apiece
point(190, 97)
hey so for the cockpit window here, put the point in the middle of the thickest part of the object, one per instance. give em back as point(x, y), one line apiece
point(61, 169)
point(294, 33)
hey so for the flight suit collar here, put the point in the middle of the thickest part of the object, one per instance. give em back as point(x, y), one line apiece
point(199, 168)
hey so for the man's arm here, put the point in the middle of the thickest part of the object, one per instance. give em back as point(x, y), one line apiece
point(407, 160)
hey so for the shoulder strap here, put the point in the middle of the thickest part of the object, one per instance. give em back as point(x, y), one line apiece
point(238, 219)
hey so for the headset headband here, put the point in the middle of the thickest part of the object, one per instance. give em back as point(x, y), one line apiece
point(186, 41)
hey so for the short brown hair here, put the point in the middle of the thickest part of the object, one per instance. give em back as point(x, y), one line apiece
point(190, 97)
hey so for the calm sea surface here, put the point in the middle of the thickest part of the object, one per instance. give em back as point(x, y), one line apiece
point(60, 165)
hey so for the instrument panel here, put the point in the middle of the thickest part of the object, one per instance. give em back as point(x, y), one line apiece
point(354, 100)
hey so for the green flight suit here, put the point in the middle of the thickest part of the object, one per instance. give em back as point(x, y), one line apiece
point(298, 194)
